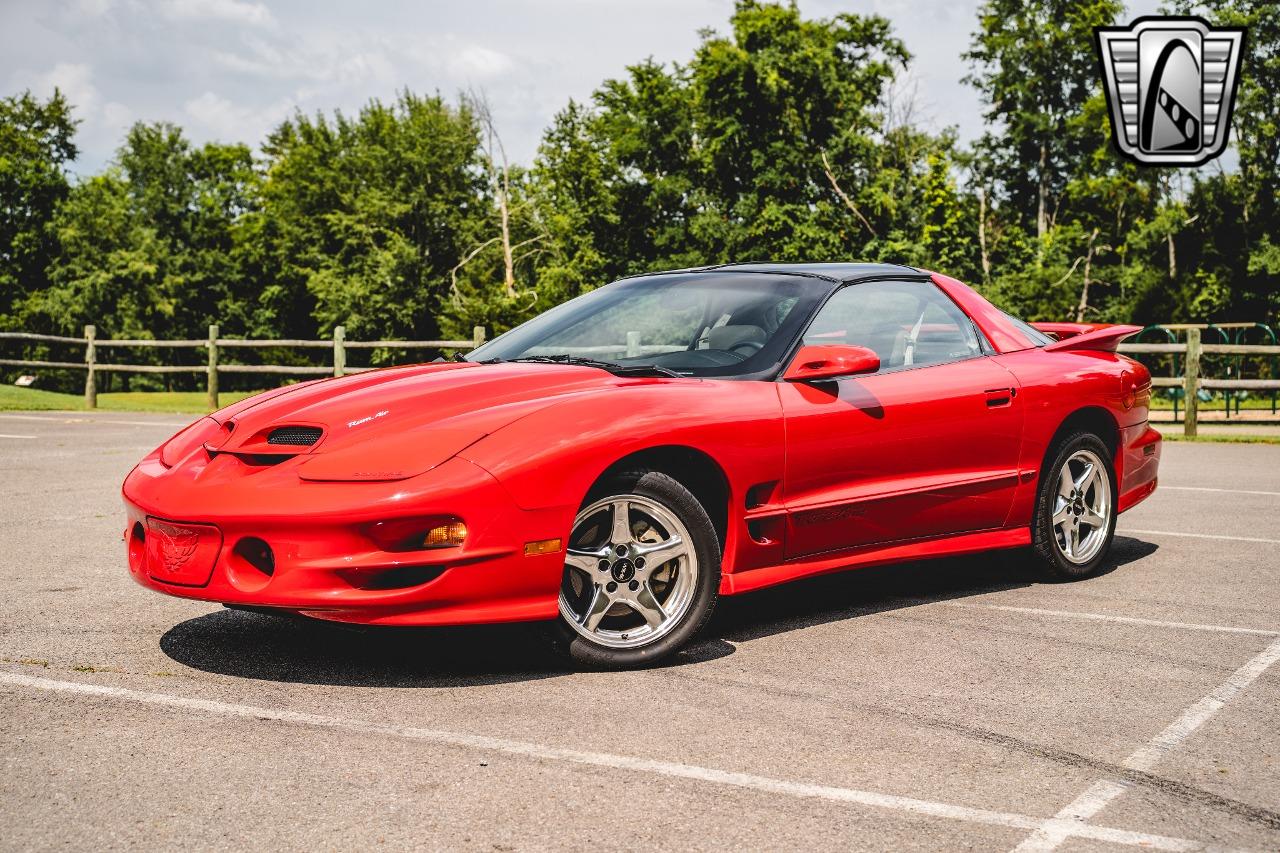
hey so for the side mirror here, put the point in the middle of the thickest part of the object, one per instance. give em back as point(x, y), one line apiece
point(815, 363)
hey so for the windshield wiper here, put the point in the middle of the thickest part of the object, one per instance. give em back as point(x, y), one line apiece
point(613, 367)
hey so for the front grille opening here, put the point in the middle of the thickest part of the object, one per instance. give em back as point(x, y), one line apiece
point(400, 577)
point(262, 460)
point(256, 553)
point(298, 436)
point(137, 545)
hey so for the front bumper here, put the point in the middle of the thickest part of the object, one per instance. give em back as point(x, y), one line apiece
point(325, 564)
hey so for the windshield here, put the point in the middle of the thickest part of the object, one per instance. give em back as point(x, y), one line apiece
point(693, 324)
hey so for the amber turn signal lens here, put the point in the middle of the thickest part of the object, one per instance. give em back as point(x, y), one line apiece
point(543, 546)
point(445, 535)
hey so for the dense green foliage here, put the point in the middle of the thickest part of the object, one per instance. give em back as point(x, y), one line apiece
point(782, 137)
point(35, 146)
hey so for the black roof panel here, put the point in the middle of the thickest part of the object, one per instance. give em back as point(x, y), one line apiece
point(837, 271)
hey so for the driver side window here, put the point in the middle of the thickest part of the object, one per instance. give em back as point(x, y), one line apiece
point(906, 323)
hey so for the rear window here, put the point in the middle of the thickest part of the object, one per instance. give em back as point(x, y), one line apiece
point(1033, 334)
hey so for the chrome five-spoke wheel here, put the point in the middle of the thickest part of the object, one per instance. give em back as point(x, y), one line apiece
point(1075, 510)
point(1082, 507)
point(631, 572)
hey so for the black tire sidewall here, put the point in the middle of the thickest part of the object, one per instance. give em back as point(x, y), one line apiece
point(1043, 540)
point(680, 501)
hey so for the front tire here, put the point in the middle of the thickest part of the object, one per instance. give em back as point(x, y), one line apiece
point(641, 573)
point(1075, 517)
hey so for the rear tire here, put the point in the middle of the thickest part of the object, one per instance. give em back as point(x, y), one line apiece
point(641, 574)
point(1075, 513)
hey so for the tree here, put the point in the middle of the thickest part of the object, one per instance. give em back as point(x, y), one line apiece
point(363, 218)
point(1035, 68)
point(501, 244)
point(1245, 251)
point(786, 115)
point(577, 179)
point(36, 143)
point(109, 269)
point(763, 146)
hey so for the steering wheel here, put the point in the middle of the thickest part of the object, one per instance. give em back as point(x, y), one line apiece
point(751, 347)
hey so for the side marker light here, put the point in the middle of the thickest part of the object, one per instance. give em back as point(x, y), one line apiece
point(542, 546)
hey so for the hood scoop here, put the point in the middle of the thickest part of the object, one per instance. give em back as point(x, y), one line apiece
point(294, 436)
point(268, 446)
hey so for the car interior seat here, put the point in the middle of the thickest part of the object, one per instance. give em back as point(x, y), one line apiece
point(727, 337)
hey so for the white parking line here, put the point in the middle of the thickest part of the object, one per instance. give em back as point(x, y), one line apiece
point(1129, 532)
point(1199, 713)
point(1067, 822)
point(749, 781)
point(7, 435)
point(72, 419)
point(1107, 617)
point(1165, 488)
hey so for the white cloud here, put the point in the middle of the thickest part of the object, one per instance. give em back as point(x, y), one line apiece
point(73, 80)
point(219, 118)
point(478, 61)
point(312, 59)
point(363, 59)
point(116, 116)
point(231, 11)
point(92, 8)
point(216, 113)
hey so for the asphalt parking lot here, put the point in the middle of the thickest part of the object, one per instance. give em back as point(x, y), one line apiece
point(943, 705)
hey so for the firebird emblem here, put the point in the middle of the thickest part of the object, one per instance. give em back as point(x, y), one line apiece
point(177, 545)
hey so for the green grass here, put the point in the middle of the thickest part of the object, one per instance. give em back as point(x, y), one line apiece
point(1223, 439)
point(176, 402)
point(1162, 402)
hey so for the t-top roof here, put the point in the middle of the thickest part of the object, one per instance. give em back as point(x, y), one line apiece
point(841, 272)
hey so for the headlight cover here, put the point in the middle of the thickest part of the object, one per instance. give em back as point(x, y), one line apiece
point(418, 534)
point(188, 440)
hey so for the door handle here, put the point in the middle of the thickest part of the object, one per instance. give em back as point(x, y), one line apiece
point(998, 398)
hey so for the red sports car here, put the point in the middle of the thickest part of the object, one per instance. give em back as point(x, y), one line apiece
point(622, 460)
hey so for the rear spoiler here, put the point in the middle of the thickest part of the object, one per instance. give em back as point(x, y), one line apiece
point(1086, 336)
point(1059, 331)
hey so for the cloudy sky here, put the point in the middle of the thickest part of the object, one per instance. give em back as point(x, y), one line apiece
point(231, 69)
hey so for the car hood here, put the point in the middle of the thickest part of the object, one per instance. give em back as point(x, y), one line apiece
point(396, 423)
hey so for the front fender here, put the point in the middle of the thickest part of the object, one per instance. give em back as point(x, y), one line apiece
point(552, 457)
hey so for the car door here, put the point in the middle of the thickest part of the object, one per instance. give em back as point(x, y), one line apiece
point(926, 446)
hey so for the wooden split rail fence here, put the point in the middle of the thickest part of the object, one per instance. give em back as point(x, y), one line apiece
point(1190, 382)
point(214, 344)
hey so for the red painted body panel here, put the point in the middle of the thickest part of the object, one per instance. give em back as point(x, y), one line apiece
point(869, 469)
point(900, 455)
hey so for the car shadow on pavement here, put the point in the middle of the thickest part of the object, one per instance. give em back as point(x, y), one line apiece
point(848, 595)
point(293, 649)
